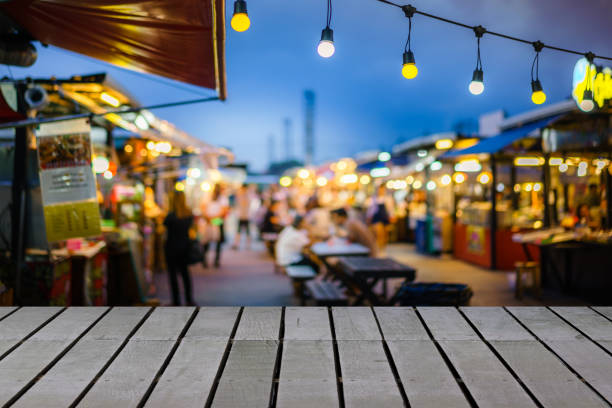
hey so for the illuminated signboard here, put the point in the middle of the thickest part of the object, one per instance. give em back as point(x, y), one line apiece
point(600, 82)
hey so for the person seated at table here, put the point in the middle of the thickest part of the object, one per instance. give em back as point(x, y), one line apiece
point(291, 242)
point(317, 219)
point(356, 230)
point(271, 221)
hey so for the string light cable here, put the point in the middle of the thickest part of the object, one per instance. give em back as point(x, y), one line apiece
point(476, 86)
point(326, 46)
point(537, 93)
point(409, 68)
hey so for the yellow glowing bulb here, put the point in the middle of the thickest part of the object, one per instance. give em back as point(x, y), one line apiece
point(150, 145)
point(128, 148)
point(538, 97)
point(205, 186)
point(459, 178)
point(365, 179)
point(285, 181)
point(178, 186)
point(240, 22)
point(321, 181)
point(410, 70)
point(303, 173)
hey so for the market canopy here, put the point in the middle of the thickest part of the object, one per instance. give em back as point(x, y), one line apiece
point(183, 40)
point(496, 143)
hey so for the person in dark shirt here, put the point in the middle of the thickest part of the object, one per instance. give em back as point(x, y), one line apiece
point(178, 224)
point(271, 221)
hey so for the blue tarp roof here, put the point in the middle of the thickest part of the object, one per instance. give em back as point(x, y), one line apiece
point(496, 143)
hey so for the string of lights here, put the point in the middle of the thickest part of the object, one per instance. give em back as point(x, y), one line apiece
point(326, 49)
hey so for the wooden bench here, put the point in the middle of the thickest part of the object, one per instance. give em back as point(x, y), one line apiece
point(326, 293)
point(299, 274)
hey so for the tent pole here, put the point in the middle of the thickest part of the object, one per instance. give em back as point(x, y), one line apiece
point(493, 226)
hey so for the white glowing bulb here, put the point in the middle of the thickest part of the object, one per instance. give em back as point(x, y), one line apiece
point(587, 105)
point(326, 48)
point(476, 87)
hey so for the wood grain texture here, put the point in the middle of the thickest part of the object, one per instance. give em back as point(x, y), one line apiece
point(494, 323)
point(355, 323)
point(213, 323)
point(165, 323)
point(67, 379)
point(445, 323)
point(188, 379)
point(5, 310)
point(247, 378)
point(400, 323)
point(307, 323)
point(308, 375)
point(594, 325)
point(23, 364)
point(367, 378)
point(484, 375)
point(259, 323)
point(427, 380)
point(580, 353)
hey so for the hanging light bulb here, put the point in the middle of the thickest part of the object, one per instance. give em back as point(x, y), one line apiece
point(326, 46)
point(588, 104)
point(240, 20)
point(409, 68)
point(476, 86)
point(537, 93)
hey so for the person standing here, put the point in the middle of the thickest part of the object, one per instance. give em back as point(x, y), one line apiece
point(380, 214)
point(242, 208)
point(178, 224)
point(214, 213)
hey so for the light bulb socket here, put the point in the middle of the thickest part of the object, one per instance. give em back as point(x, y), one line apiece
point(477, 75)
point(327, 34)
point(536, 86)
point(587, 95)
point(240, 7)
point(408, 57)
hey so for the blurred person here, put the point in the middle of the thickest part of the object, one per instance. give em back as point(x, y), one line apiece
point(593, 197)
point(272, 222)
point(291, 242)
point(214, 212)
point(243, 207)
point(380, 214)
point(318, 219)
point(179, 228)
point(356, 230)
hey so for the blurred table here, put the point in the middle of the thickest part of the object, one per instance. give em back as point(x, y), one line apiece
point(325, 249)
point(366, 272)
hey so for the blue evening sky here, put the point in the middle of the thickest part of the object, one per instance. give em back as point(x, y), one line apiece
point(362, 100)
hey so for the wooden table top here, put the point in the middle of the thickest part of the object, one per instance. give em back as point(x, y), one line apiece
point(324, 249)
point(306, 357)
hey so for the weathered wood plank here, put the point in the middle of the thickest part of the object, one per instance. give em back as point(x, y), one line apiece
point(400, 323)
point(446, 323)
point(5, 310)
point(189, 378)
point(367, 378)
point(594, 325)
point(213, 323)
point(307, 375)
point(588, 360)
point(427, 380)
point(127, 379)
point(355, 323)
point(247, 378)
point(259, 323)
point(21, 366)
point(21, 323)
point(494, 323)
point(69, 377)
point(604, 310)
point(307, 323)
point(165, 323)
point(488, 381)
point(541, 371)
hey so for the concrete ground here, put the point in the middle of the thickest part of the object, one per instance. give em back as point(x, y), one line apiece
point(247, 278)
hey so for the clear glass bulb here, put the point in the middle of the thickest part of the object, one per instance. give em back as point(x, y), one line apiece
point(326, 48)
point(476, 87)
